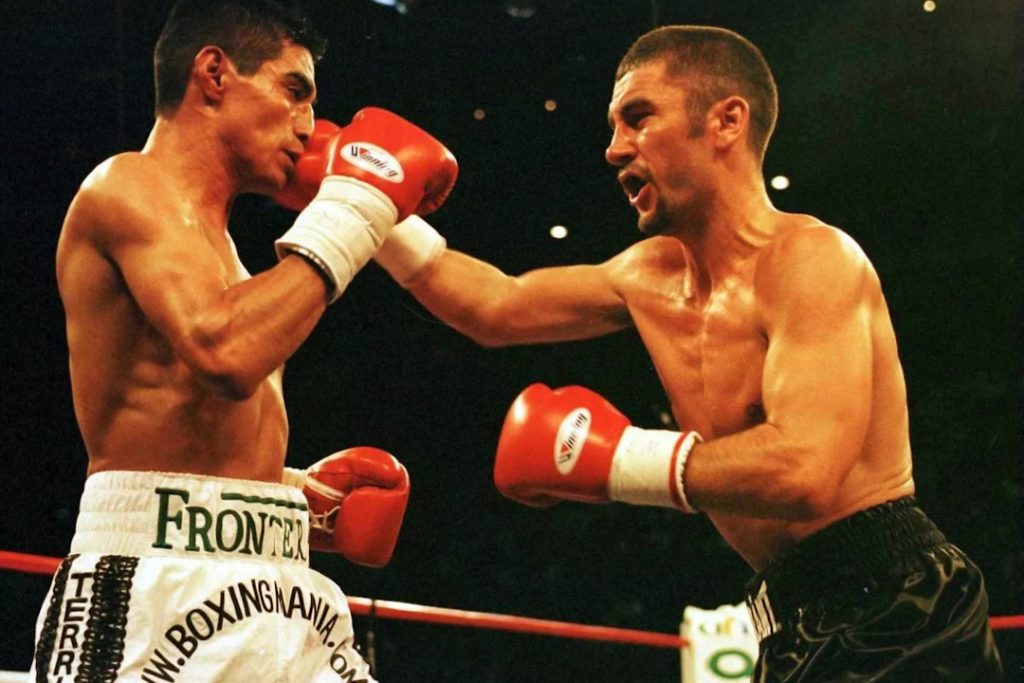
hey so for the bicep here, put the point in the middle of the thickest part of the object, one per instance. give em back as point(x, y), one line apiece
point(817, 375)
point(168, 267)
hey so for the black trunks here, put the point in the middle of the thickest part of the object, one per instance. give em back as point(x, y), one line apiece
point(878, 596)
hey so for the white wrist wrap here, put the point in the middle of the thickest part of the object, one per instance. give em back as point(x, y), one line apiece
point(341, 229)
point(293, 477)
point(411, 247)
point(648, 466)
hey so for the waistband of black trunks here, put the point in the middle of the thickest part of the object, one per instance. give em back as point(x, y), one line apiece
point(868, 547)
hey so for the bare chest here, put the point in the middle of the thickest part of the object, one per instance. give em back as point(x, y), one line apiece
point(231, 269)
point(709, 356)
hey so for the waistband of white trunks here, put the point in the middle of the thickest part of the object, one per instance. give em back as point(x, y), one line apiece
point(159, 514)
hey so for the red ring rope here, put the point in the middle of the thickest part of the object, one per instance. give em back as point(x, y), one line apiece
point(387, 609)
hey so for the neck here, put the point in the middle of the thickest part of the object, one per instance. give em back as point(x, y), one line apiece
point(192, 155)
point(731, 224)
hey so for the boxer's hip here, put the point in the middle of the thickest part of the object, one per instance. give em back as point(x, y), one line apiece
point(880, 595)
point(184, 578)
point(155, 514)
point(870, 547)
point(118, 617)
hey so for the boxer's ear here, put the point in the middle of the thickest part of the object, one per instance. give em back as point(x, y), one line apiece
point(208, 70)
point(728, 120)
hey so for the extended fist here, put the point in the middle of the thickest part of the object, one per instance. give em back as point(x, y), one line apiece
point(310, 167)
point(353, 184)
point(381, 149)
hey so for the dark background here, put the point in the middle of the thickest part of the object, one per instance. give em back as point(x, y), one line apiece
point(900, 126)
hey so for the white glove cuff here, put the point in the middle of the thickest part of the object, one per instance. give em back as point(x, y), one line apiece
point(411, 247)
point(293, 477)
point(648, 467)
point(341, 229)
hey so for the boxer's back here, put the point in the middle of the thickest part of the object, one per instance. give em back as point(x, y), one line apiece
point(139, 406)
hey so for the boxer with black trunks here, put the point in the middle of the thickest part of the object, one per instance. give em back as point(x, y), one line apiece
point(771, 336)
point(190, 559)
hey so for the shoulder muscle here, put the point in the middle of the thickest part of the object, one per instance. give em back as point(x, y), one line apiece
point(118, 201)
point(808, 270)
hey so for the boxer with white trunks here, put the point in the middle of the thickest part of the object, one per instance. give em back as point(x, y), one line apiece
point(190, 560)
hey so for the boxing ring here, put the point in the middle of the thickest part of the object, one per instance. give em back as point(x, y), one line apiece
point(403, 611)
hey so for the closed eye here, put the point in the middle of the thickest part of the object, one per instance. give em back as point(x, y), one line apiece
point(636, 119)
point(300, 87)
point(637, 111)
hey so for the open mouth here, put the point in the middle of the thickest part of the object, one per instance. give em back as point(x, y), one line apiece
point(632, 185)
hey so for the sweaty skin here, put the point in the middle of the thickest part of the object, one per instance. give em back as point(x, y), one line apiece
point(175, 352)
point(768, 330)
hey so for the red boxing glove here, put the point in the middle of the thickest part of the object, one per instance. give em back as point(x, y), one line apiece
point(310, 167)
point(381, 149)
point(571, 444)
point(353, 184)
point(405, 162)
point(357, 499)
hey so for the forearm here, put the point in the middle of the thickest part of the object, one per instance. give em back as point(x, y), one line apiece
point(494, 309)
point(563, 303)
point(257, 324)
point(467, 294)
point(758, 472)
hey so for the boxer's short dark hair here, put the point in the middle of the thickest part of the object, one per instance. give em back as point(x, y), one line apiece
point(718, 63)
point(249, 31)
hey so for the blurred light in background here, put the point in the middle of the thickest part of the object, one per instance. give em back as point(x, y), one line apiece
point(400, 6)
point(520, 9)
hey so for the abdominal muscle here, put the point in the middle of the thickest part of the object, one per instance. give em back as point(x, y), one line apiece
point(151, 413)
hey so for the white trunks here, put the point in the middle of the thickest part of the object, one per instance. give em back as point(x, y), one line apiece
point(189, 578)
